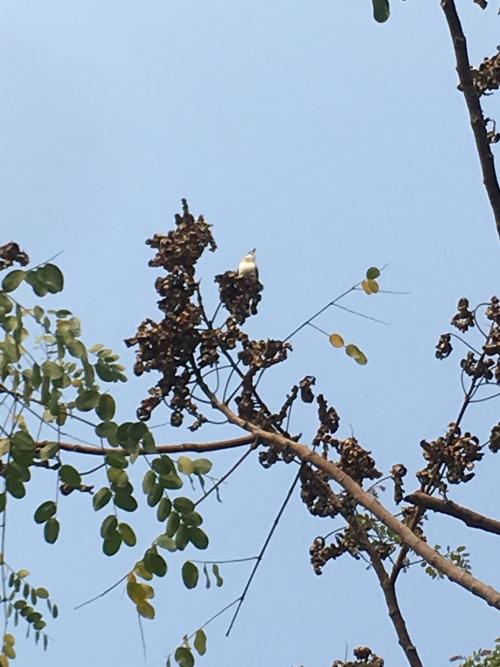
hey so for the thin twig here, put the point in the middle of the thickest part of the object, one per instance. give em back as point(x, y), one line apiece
point(228, 473)
point(105, 592)
point(263, 550)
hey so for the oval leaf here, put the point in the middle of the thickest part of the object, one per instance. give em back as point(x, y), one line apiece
point(106, 407)
point(381, 11)
point(190, 574)
point(12, 280)
point(336, 340)
point(372, 273)
point(51, 531)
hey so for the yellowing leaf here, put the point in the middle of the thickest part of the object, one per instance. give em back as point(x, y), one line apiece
point(355, 353)
point(370, 286)
point(336, 340)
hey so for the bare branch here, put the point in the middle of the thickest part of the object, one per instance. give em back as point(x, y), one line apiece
point(202, 447)
point(469, 517)
point(476, 116)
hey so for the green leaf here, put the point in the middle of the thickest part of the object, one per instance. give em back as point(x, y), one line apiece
point(112, 543)
point(42, 593)
point(202, 466)
point(35, 279)
point(185, 465)
point(216, 572)
point(184, 657)
point(198, 538)
point(15, 487)
point(70, 476)
point(116, 460)
point(167, 543)
point(87, 400)
point(200, 642)
point(148, 443)
point(12, 280)
point(163, 465)
point(146, 610)
point(101, 498)
point(190, 574)
point(182, 537)
point(106, 430)
point(183, 505)
point(381, 11)
point(355, 353)
point(51, 530)
point(127, 534)
point(109, 525)
point(48, 451)
point(192, 519)
point(76, 348)
point(155, 563)
point(53, 278)
point(164, 509)
point(106, 407)
point(3, 502)
point(45, 511)
point(173, 523)
point(23, 441)
point(124, 500)
point(372, 273)
point(154, 496)
point(149, 482)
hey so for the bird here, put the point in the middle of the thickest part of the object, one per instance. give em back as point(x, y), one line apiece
point(248, 265)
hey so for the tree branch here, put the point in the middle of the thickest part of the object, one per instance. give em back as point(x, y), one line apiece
point(203, 447)
point(469, 517)
point(474, 106)
point(306, 455)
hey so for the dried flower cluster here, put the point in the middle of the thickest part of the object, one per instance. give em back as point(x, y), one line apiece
point(185, 342)
point(11, 253)
point(365, 657)
point(486, 77)
point(452, 456)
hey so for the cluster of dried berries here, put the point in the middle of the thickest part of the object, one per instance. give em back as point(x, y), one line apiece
point(398, 471)
point(11, 253)
point(262, 354)
point(306, 385)
point(452, 456)
point(355, 461)
point(169, 346)
point(317, 495)
point(328, 423)
point(365, 657)
point(494, 443)
point(185, 341)
point(486, 366)
point(239, 294)
point(464, 317)
point(487, 77)
point(321, 553)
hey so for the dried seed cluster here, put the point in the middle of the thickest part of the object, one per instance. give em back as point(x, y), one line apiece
point(451, 457)
point(11, 253)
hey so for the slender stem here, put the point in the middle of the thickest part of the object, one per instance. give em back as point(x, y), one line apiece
point(476, 116)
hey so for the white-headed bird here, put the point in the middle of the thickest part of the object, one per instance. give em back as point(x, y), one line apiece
point(248, 265)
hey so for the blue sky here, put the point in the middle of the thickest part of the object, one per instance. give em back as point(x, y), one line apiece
point(329, 142)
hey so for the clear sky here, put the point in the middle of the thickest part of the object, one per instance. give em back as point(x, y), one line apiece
point(329, 142)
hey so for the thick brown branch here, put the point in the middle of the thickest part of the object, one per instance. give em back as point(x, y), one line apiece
point(395, 614)
point(366, 500)
point(469, 517)
point(160, 449)
point(474, 106)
